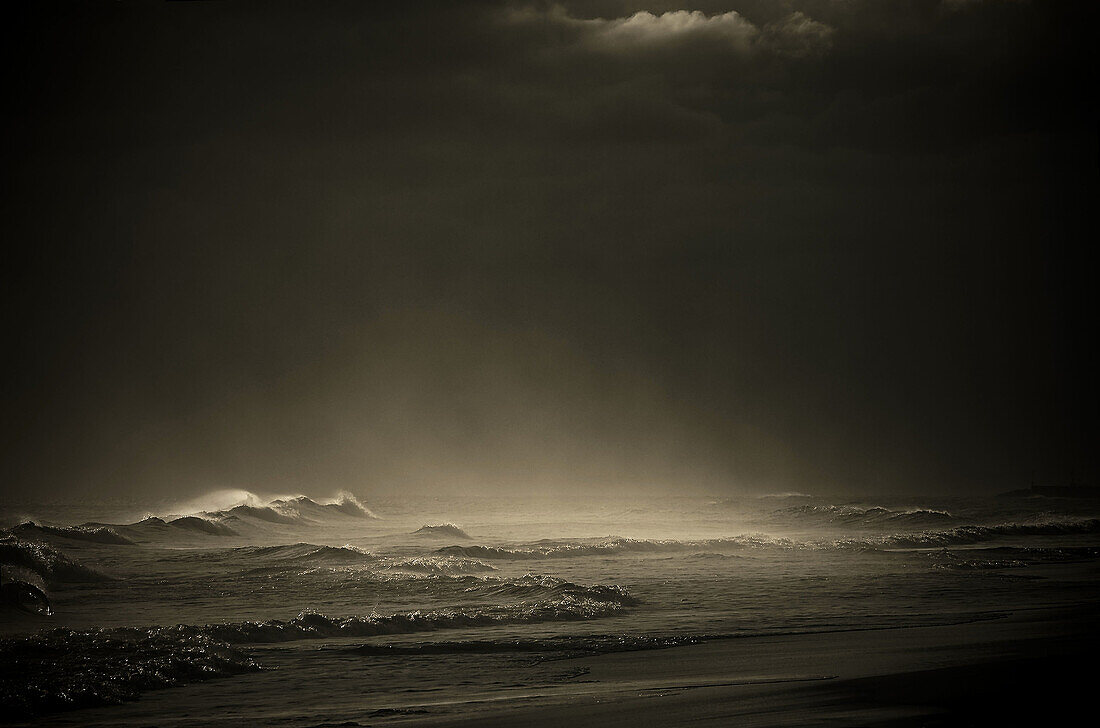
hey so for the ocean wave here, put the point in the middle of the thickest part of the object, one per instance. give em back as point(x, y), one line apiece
point(24, 590)
point(526, 600)
point(461, 586)
point(544, 586)
point(299, 556)
point(611, 547)
point(202, 525)
point(443, 530)
point(438, 565)
point(46, 561)
point(95, 534)
point(63, 670)
point(344, 504)
point(268, 514)
point(230, 503)
point(349, 505)
point(301, 553)
point(855, 516)
point(248, 515)
point(295, 510)
point(311, 625)
point(959, 535)
point(155, 529)
point(976, 534)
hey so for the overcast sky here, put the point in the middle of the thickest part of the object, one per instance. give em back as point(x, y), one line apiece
point(756, 245)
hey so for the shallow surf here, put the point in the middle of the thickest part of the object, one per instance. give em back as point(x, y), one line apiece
point(424, 600)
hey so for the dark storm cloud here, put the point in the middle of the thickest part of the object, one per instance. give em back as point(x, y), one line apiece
point(815, 244)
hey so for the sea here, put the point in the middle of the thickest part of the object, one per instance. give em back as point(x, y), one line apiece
point(306, 611)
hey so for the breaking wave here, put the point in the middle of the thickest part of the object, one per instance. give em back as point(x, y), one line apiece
point(276, 559)
point(46, 561)
point(242, 515)
point(311, 625)
point(537, 599)
point(438, 565)
point(976, 534)
point(24, 590)
point(202, 525)
point(344, 504)
point(854, 516)
point(95, 534)
point(230, 505)
point(611, 547)
point(543, 586)
point(303, 553)
point(959, 535)
point(63, 670)
point(260, 513)
point(443, 530)
point(154, 528)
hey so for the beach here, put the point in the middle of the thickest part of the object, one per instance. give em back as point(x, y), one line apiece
point(1036, 665)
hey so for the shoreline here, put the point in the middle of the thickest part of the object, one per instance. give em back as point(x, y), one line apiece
point(1005, 671)
point(975, 673)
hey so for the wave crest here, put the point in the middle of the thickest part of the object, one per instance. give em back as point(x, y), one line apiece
point(305, 553)
point(202, 525)
point(442, 530)
point(95, 534)
point(855, 516)
point(46, 561)
point(959, 535)
point(439, 565)
point(226, 505)
point(301, 506)
point(611, 547)
point(975, 534)
point(312, 625)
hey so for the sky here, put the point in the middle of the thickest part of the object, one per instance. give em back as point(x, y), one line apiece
point(834, 246)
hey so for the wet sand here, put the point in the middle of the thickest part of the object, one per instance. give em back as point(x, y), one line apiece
point(1030, 666)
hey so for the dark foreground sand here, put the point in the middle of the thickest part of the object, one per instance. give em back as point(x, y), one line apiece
point(1032, 667)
